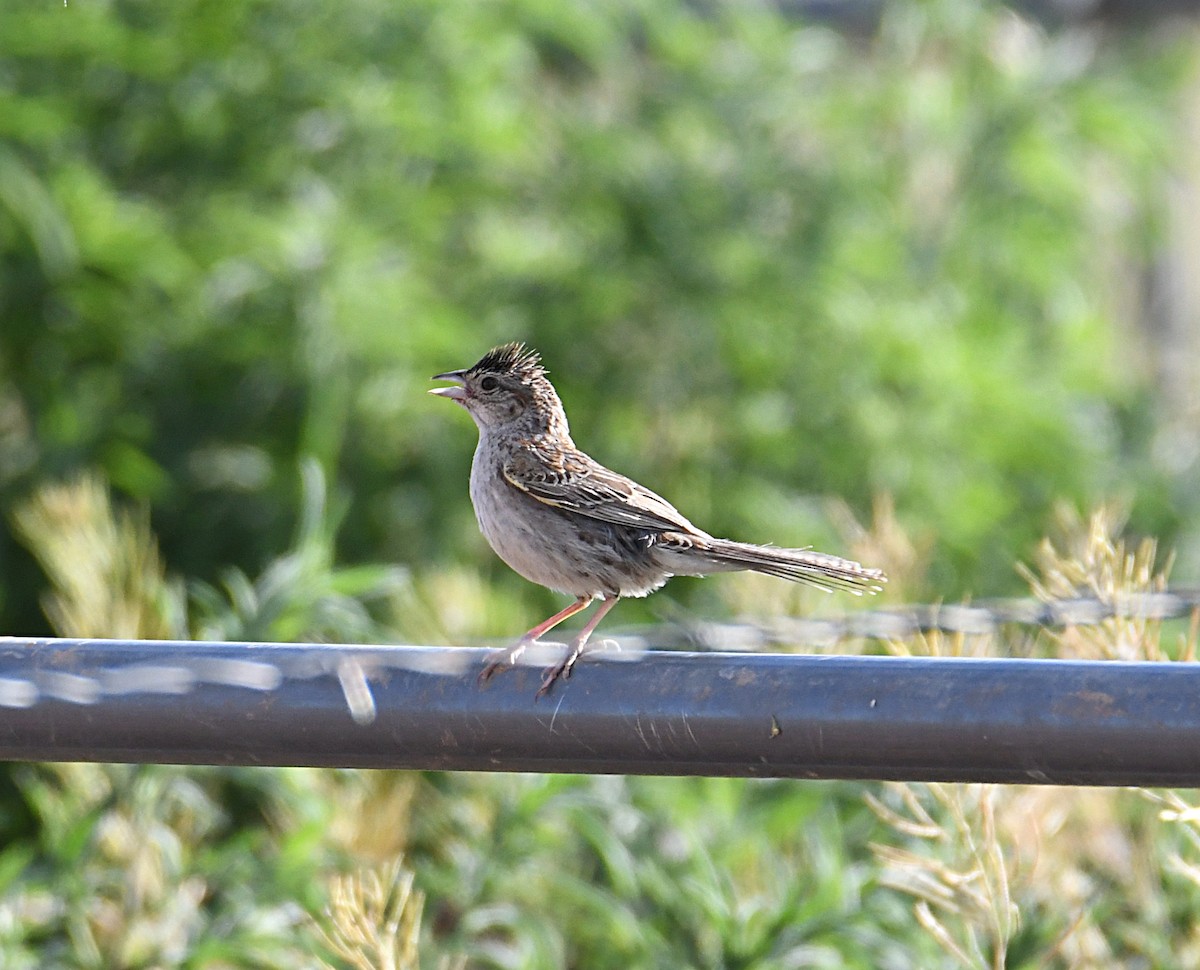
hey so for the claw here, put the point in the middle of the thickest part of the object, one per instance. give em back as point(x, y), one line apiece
point(560, 671)
point(502, 660)
point(549, 677)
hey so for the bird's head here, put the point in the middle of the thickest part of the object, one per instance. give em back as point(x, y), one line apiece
point(507, 385)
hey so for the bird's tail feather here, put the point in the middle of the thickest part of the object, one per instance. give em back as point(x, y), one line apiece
point(799, 565)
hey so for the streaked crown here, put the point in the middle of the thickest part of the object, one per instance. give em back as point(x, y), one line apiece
point(510, 360)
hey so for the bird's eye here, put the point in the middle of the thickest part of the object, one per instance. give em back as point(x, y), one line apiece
point(489, 383)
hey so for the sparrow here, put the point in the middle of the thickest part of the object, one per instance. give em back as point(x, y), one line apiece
point(562, 520)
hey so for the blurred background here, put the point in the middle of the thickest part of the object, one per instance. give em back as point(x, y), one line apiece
point(918, 270)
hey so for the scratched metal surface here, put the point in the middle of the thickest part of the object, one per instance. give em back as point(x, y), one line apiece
point(632, 712)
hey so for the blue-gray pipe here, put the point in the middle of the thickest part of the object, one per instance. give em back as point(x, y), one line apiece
point(655, 713)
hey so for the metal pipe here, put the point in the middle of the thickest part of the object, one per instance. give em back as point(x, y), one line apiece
point(655, 713)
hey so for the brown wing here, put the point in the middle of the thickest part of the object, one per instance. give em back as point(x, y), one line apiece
point(576, 483)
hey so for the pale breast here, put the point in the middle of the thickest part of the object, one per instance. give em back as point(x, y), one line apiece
point(568, 553)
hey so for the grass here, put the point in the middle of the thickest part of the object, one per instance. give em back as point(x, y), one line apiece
point(158, 866)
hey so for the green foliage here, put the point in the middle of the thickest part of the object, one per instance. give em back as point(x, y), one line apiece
point(767, 263)
point(661, 872)
point(302, 595)
point(142, 867)
point(104, 865)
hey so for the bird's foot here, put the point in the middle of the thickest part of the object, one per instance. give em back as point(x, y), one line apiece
point(501, 660)
point(561, 670)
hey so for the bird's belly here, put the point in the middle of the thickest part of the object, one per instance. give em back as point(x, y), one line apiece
point(561, 551)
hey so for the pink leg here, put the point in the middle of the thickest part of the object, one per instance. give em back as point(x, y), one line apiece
point(503, 659)
point(565, 614)
point(563, 670)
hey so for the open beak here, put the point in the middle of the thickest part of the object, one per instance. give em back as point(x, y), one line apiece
point(458, 392)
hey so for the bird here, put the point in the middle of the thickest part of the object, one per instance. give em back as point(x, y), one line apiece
point(562, 520)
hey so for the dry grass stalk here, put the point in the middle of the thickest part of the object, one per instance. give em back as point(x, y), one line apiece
point(373, 821)
point(887, 545)
point(1090, 559)
point(954, 867)
point(963, 846)
point(107, 576)
point(373, 920)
